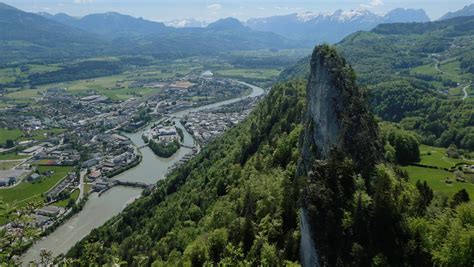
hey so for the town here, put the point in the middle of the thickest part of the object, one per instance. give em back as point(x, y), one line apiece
point(68, 146)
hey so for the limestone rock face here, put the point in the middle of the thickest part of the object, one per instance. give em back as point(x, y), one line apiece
point(325, 102)
point(338, 125)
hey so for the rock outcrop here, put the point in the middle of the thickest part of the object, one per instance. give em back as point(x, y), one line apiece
point(338, 124)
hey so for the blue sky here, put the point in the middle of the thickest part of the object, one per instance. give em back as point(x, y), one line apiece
point(210, 10)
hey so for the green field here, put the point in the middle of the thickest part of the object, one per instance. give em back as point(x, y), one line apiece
point(40, 135)
point(436, 180)
point(6, 134)
point(11, 74)
point(115, 87)
point(19, 195)
point(63, 203)
point(436, 156)
point(12, 156)
point(260, 74)
point(450, 71)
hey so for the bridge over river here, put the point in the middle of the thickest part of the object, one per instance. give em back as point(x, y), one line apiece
point(182, 145)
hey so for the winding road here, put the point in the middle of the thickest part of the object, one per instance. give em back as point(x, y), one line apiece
point(464, 89)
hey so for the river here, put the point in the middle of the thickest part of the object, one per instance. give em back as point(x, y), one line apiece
point(98, 210)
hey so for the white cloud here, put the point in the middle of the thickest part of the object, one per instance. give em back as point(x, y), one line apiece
point(214, 7)
point(83, 1)
point(287, 8)
point(372, 4)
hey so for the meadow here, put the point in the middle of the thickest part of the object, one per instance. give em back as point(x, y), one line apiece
point(436, 180)
point(9, 134)
point(436, 156)
point(24, 192)
point(12, 156)
point(258, 74)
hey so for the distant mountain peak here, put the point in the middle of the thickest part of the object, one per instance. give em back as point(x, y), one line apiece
point(464, 12)
point(338, 15)
point(406, 15)
point(306, 16)
point(6, 7)
point(227, 23)
point(352, 14)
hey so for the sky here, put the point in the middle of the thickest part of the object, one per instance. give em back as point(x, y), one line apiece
point(211, 10)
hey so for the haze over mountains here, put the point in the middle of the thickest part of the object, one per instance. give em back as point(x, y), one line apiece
point(111, 24)
point(316, 28)
point(307, 28)
point(27, 36)
point(466, 11)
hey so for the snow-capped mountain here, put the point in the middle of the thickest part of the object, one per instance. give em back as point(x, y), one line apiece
point(331, 27)
point(186, 23)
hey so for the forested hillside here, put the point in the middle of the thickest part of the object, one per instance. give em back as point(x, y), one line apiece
point(27, 37)
point(416, 74)
point(237, 202)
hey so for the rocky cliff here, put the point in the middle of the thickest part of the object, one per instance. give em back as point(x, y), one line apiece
point(338, 143)
point(324, 103)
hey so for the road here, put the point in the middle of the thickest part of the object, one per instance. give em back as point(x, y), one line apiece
point(444, 72)
point(464, 89)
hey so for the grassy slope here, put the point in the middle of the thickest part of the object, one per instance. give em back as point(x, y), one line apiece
point(436, 180)
point(436, 156)
point(239, 176)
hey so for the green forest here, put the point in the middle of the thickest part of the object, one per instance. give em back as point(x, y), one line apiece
point(164, 150)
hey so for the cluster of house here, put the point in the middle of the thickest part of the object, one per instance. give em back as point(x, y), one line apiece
point(45, 216)
point(206, 125)
point(161, 133)
point(24, 122)
point(69, 182)
point(115, 153)
point(196, 89)
point(59, 156)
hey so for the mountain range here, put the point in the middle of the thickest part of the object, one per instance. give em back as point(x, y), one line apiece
point(44, 37)
point(111, 24)
point(314, 28)
point(465, 12)
point(28, 36)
